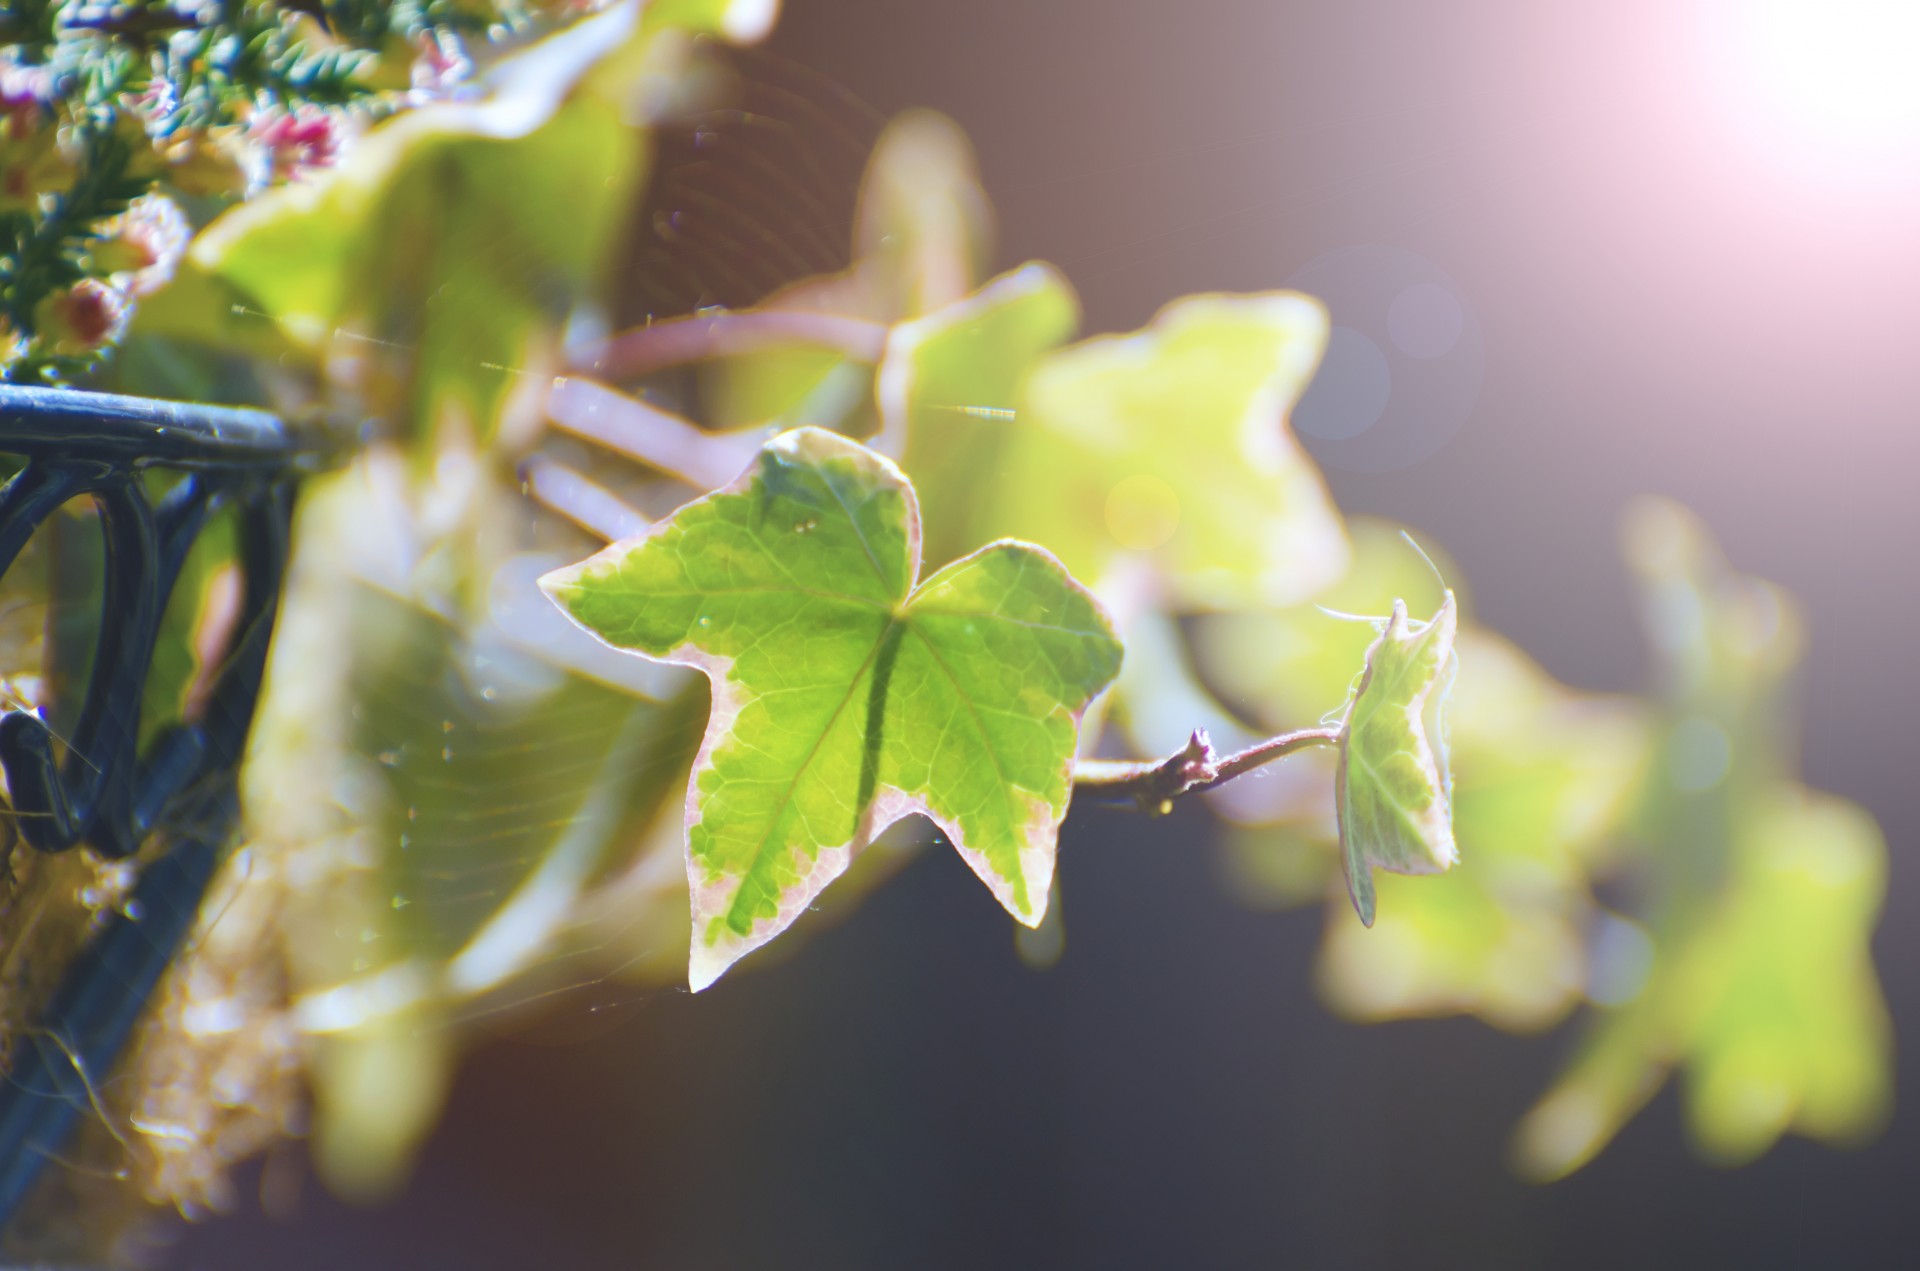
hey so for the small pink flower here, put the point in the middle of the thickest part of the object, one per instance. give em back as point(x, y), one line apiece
point(24, 95)
point(292, 142)
point(142, 245)
point(82, 319)
point(440, 67)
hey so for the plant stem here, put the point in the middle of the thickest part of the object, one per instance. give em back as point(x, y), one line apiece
point(700, 336)
point(1151, 785)
point(658, 438)
point(585, 502)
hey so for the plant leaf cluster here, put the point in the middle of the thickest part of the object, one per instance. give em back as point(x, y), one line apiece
point(105, 105)
point(902, 521)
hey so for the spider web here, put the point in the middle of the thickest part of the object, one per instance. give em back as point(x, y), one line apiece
point(497, 766)
point(520, 764)
point(471, 797)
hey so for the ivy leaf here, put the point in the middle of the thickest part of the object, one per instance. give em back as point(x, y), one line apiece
point(1758, 976)
point(1393, 793)
point(1546, 776)
point(845, 696)
point(949, 386)
point(1168, 445)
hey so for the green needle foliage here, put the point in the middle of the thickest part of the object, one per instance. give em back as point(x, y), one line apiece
point(116, 116)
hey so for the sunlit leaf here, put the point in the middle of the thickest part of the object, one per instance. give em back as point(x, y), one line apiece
point(949, 388)
point(1545, 779)
point(1777, 1000)
point(847, 693)
point(1392, 790)
point(1168, 447)
point(1288, 666)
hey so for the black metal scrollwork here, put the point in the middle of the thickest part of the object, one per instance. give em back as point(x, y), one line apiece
point(104, 791)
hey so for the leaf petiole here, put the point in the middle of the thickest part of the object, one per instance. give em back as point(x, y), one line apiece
point(1152, 785)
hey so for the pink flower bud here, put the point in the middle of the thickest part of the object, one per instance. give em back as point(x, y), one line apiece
point(440, 67)
point(291, 142)
point(24, 95)
point(82, 319)
point(142, 244)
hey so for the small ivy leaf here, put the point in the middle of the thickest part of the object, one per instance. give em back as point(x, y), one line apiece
point(1393, 793)
point(845, 696)
point(1547, 776)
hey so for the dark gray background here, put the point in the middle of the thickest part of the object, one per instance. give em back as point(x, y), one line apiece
point(1666, 304)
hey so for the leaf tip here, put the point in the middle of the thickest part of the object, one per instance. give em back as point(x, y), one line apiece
point(558, 585)
point(1032, 916)
point(706, 964)
point(1360, 888)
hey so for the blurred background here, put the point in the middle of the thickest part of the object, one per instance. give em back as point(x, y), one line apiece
point(1661, 248)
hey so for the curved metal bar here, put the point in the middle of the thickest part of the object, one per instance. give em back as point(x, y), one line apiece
point(58, 1067)
point(105, 792)
point(139, 431)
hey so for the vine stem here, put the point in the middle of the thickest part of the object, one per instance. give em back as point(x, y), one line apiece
point(656, 437)
point(1151, 785)
point(699, 336)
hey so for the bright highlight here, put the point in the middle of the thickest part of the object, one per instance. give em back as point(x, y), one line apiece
point(1836, 79)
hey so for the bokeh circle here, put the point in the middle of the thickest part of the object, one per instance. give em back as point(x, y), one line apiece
point(1404, 362)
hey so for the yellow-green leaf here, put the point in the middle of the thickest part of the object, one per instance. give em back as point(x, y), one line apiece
point(1392, 791)
point(847, 693)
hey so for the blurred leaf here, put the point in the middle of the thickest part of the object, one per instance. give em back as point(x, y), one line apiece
point(1545, 778)
point(783, 386)
point(1458, 945)
point(1391, 788)
point(1764, 895)
point(1168, 446)
point(441, 795)
point(435, 264)
point(845, 695)
point(1777, 1000)
point(921, 239)
point(923, 233)
point(193, 628)
point(1287, 667)
point(1171, 446)
point(950, 384)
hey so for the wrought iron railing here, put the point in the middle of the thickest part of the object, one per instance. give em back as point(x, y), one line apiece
point(99, 786)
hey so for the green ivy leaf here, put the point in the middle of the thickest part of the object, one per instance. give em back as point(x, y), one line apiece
point(1545, 776)
point(1393, 794)
point(1168, 446)
point(845, 696)
point(949, 387)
